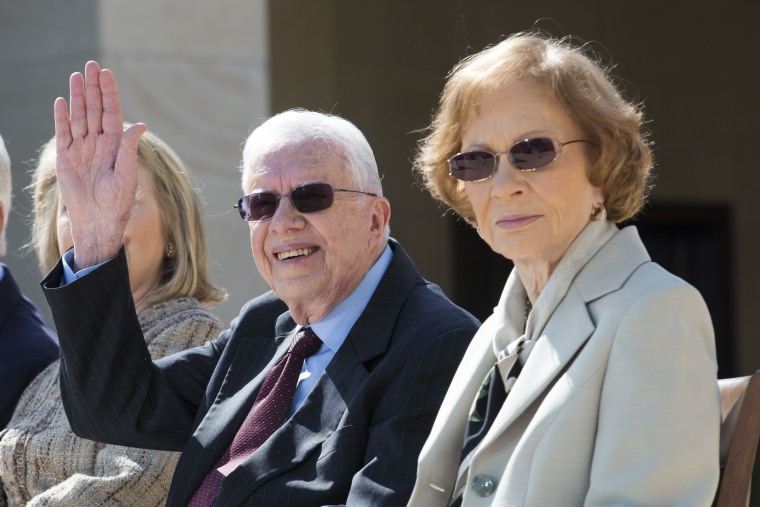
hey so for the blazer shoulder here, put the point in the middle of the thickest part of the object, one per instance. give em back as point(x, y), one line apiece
point(651, 278)
point(264, 308)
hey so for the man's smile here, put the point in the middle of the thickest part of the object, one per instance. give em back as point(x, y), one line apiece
point(298, 252)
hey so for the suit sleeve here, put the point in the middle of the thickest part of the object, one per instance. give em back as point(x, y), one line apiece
point(659, 416)
point(403, 419)
point(112, 391)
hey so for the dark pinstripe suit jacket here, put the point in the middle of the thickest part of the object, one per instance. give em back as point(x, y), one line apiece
point(356, 438)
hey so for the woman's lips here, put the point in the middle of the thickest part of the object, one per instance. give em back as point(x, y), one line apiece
point(516, 221)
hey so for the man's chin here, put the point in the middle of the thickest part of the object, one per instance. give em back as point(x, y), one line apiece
point(297, 291)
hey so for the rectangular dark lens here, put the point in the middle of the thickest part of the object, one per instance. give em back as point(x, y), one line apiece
point(312, 198)
point(533, 153)
point(260, 206)
point(472, 165)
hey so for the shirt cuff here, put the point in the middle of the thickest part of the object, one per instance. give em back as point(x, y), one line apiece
point(68, 273)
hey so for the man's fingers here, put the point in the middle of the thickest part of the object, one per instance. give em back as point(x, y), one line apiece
point(78, 119)
point(62, 127)
point(93, 98)
point(112, 114)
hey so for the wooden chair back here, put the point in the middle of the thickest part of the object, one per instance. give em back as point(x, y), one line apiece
point(739, 431)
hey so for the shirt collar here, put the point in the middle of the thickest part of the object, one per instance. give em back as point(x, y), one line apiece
point(334, 328)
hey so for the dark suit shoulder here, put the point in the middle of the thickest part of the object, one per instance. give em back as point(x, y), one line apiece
point(425, 305)
point(24, 332)
point(259, 315)
point(27, 344)
point(428, 301)
point(407, 312)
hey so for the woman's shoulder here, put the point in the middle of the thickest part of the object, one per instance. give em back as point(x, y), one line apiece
point(624, 269)
point(177, 324)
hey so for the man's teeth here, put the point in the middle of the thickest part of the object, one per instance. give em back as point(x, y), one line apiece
point(296, 253)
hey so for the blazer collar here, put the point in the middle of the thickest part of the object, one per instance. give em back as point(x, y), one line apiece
point(612, 265)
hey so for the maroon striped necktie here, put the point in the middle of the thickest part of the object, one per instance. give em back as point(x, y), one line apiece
point(267, 414)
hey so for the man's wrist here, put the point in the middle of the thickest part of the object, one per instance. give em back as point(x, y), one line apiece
point(70, 273)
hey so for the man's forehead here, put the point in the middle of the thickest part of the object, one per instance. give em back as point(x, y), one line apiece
point(300, 161)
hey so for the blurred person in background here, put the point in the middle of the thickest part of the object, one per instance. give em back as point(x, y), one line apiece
point(42, 461)
point(27, 343)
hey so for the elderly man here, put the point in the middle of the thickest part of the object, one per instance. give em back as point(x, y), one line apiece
point(27, 344)
point(322, 391)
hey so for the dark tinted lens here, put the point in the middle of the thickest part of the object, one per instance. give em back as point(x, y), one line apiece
point(243, 213)
point(472, 165)
point(312, 198)
point(258, 206)
point(533, 153)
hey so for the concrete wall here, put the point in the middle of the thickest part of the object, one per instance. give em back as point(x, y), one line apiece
point(692, 63)
point(199, 74)
point(38, 51)
point(196, 72)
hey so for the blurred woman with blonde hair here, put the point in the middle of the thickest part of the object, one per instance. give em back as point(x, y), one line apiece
point(42, 462)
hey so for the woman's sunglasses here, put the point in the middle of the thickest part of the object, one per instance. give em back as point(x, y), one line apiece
point(260, 206)
point(525, 155)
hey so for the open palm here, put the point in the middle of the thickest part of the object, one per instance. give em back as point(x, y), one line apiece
point(96, 164)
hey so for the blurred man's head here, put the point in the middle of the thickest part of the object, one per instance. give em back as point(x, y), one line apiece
point(5, 192)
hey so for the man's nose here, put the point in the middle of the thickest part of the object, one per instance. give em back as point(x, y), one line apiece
point(286, 215)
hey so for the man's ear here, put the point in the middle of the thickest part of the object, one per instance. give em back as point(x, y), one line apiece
point(381, 214)
point(2, 219)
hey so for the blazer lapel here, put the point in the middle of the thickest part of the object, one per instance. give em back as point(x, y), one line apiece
point(570, 326)
point(303, 433)
point(235, 397)
point(565, 333)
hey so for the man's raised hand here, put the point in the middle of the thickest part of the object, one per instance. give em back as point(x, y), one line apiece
point(96, 164)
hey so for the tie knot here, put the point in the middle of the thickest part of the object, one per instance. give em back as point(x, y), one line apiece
point(306, 343)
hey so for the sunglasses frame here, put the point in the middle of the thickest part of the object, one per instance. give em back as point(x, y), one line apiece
point(558, 145)
point(295, 202)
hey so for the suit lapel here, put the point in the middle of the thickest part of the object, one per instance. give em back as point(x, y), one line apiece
point(440, 456)
point(244, 376)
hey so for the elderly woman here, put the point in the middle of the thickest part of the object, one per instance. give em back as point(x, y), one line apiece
point(594, 381)
point(42, 462)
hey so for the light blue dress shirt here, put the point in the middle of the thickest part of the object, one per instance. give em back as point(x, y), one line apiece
point(332, 330)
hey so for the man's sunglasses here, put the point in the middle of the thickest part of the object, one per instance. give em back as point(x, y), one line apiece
point(260, 206)
point(525, 155)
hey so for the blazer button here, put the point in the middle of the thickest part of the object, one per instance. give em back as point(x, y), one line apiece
point(483, 485)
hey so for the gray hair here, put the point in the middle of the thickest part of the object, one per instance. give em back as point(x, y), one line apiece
point(299, 126)
point(5, 190)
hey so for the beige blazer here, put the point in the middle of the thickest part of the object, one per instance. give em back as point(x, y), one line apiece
point(619, 400)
